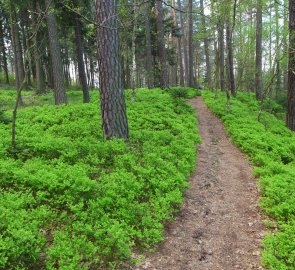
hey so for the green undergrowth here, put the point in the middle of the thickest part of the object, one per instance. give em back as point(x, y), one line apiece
point(271, 148)
point(74, 201)
point(183, 92)
point(29, 98)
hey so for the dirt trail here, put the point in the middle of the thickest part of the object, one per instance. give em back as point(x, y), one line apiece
point(219, 226)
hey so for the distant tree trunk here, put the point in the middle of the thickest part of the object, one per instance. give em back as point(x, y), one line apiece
point(278, 66)
point(285, 44)
point(134, 77)
point(197, 64)
point(270, 34)
point(112, 98)
point(41, 88)
point(183, 41)
point(57, 69)
point(216, 62)
point(191, 81)
point(181, 70)
point(161, 45)
point(3, 49)
point(66, 66)
point(49, 71)
point(17, 49)
point(229, 34)
point(174, 45)
point(179, 65)
point(87, 69)
point(258, 77)
point(80, 53)
point(221, 54)
point(231, 76)
point(179, 51)
point(92, 82)
point(291, 68)
point(27, 61)
point(149, 60)
point(206, 46)
point(128, 72)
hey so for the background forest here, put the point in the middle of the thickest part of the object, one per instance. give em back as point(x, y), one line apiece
point(209, 43)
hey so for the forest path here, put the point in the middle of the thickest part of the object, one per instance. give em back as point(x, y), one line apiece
point(219, 226)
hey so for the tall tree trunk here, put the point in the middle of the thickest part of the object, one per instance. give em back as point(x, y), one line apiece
point(217, 63)
point(161, 44)
point(49, 70)
point(221, 54)
point(270, 33)
point(183, 41)
point(17, 49)
point(3, 49)
point(229, 34)
point(191, 81)
point(41, 88)
point(180, 58)
point(291, 68)
point(57, 69)
point(66, 66)
point(27, 61)
point(87, 69)
point(258, 77)
point(92, 82)
point(181, 70)
point(80, 53)
point(174, 45)
point(278, 66)
point(230, 62)
point(149, 60)
point(133, 49)
point(285, 44)
point(206, 46)
point(112, 98)
point(128, 72)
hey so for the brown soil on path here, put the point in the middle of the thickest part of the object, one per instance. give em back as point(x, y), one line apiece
point(219, 226)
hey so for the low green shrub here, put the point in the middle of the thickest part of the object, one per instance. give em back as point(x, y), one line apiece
point(3, 118)
point(271, 147)
point(75, 201)
point(183, 92)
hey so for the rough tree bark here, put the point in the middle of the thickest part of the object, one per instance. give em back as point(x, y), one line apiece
point(112, 98)
point(57, 68)
point(258, 74)
point(291, 68)
point(80, 53)
point(149, 60)
point(161, 45)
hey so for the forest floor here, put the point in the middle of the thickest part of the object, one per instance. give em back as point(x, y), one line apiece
point(219, 226)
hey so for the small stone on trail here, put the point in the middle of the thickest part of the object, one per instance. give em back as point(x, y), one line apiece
point(256, 253)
